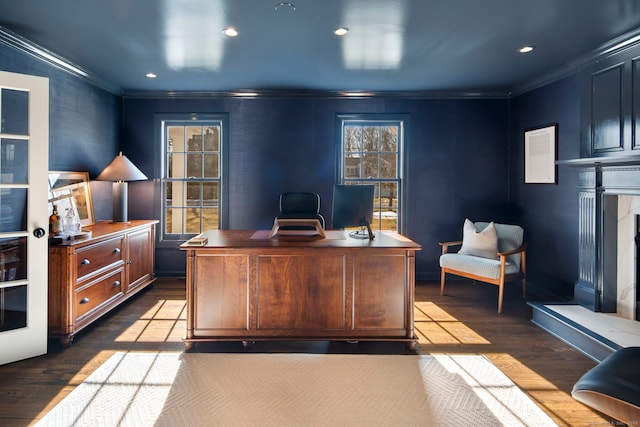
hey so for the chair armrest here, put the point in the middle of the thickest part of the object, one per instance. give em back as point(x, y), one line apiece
point(445, 245)
point(522, 248)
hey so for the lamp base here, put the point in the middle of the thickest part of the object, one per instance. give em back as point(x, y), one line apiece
point(120, 198)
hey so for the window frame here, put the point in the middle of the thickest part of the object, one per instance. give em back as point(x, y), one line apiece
point(378, 119)
point(163, 121)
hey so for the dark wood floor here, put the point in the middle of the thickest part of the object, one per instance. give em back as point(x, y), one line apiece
point(464, 321)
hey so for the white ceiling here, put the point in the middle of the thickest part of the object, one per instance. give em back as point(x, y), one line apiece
point(393, 45)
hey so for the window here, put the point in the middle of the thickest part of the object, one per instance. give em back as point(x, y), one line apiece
point(372, 153)
point(193, 176)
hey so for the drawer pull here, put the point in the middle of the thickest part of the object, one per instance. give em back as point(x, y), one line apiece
point(116, 251)
point(116, 283)
point(84, 300)
point(85, 262)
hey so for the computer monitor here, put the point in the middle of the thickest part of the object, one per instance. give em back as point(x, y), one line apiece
point(353, 207)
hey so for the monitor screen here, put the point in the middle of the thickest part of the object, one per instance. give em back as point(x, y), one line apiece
point(352, 206)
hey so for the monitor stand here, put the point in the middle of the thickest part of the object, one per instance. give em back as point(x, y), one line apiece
point(364, 232)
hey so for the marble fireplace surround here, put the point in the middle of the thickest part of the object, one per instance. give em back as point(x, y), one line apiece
point(620, 213)
point(609, 200)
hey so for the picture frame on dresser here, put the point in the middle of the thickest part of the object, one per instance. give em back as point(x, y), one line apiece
point(71, 190)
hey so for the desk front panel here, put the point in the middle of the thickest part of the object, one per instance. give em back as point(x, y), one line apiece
point(300, 292)
point(380, 292)
point(250, 293)
point(221, 293)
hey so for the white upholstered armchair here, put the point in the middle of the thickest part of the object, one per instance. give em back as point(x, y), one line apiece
point(491, 253)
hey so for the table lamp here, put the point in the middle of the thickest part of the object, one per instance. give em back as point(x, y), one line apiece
point(120, 170)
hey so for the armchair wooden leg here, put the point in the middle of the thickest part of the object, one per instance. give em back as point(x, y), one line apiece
point(523, 268)
point(442, 273)
point(500, 294)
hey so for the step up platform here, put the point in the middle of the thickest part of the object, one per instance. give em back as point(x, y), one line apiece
point(597, 335)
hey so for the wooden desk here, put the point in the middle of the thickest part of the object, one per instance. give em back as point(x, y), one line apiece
point(246, 286)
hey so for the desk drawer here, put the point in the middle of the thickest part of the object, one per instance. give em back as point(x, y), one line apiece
point(93, 258)
point(95, 294)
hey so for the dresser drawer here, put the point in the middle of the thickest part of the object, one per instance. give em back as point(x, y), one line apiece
point(97, 293)
point(93, 258)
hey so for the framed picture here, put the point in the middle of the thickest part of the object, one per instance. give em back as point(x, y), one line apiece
point(540, 152)
point(71, 190)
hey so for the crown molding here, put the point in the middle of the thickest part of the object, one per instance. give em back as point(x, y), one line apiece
point(298, 93)
point(11, 39)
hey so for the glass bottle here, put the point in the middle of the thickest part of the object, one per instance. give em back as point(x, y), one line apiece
point(54, 222)
point(76, 228)
point(71, 223)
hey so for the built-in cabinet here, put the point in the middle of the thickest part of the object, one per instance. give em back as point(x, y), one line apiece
point(89, 277)
point(610, 105)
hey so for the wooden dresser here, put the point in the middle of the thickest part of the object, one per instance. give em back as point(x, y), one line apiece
point(90, 276)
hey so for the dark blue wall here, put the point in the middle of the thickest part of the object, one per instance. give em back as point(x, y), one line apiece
point(84, 121)
point(457, 167)
point(548, 212)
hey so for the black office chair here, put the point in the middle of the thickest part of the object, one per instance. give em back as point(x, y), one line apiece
point(300, 205)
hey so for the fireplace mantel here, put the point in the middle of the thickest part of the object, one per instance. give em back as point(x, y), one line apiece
point(593, 162)
point(599, 178)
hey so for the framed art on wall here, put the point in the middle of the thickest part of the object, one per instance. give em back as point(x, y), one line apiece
point(71, 190)
point(540, 152)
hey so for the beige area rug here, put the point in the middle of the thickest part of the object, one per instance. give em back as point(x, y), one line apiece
point(200, 389)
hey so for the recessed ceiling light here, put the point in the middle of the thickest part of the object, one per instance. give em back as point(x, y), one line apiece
point(245, 94)
point(526, 49)
point(230, 32)
point(151, 75)
point(357, 94)
point(341, 31)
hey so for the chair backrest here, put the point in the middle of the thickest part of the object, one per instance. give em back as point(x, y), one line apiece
point(299, 203)
point(509, 237)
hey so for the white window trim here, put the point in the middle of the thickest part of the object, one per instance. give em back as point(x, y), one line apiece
point(379, 119)
point(161, 122)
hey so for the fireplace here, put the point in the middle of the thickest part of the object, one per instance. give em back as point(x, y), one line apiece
point(621, 213)
point(637, 241)
point(609, 208)
point(602, 317)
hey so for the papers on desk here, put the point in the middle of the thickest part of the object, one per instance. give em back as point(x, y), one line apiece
point(197, 241)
